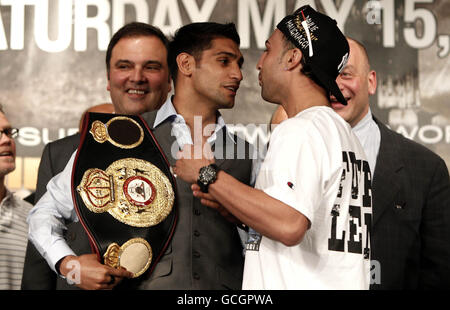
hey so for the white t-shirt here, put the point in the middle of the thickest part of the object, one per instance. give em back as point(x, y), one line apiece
point(316, 165)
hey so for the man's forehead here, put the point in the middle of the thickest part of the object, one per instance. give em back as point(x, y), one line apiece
point(357, 56)
point(276, 35)
point(225, 45)
point(132, 41)
point(4, 121)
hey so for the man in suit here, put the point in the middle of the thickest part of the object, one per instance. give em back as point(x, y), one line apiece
point(411, 191)
point(138, 81)
point(205, 252)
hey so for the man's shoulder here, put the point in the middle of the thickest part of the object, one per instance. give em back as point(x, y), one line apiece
point(149, 117)
point(68, 141)
point(409, 147)
point(25, 206)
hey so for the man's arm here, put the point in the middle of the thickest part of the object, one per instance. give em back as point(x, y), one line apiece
point(255, 208)
point(435, 268)
point(45, 173)
point(46, 226)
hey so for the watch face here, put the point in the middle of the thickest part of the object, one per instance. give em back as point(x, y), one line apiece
point(207, 174)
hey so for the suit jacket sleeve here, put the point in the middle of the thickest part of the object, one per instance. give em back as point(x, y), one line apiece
point(37, 275)
point(45, 173)
point(435, 230)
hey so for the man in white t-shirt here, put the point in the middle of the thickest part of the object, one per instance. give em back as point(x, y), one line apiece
point(310, 211)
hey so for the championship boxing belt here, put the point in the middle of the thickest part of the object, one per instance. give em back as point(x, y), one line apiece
point(124, 192)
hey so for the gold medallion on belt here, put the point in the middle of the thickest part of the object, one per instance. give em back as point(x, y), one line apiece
point(135, 256)
point(133, 191)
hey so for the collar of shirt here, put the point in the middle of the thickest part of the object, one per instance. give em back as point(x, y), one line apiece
point(181, 130)
point(369, 136)
point(6, 210)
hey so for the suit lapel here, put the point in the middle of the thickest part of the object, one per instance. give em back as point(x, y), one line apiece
point(225, 150)
point(388, 167)
point(163, 135)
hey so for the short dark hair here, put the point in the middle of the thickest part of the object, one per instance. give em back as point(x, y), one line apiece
point(1, 109)
point(134, 29)
point(195, 38)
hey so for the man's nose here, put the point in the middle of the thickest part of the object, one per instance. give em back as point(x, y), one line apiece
point(5, 139)
point(137, 75)
point(236, 73)
point(259, 63)
point(339, 83)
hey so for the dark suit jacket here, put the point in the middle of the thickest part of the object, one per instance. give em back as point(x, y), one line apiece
point(205, 252)
point(411, 215)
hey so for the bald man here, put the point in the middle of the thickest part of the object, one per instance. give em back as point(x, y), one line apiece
point(410, 187)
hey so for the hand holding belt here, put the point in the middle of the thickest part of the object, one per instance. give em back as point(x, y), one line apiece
point(124, 192)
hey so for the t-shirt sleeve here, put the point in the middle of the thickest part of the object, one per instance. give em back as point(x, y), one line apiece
point(294, 168)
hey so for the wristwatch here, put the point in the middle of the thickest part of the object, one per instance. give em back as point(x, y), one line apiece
point(206, 176)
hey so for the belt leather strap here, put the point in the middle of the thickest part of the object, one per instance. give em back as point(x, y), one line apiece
point(123, 191)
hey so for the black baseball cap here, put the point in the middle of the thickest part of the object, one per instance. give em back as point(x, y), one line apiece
point(323, 45)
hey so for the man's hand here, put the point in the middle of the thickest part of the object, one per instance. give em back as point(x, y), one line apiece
point(190, 160)
point(209, 201)
point(93, 275)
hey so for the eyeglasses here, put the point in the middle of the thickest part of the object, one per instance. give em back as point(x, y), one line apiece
point(10, 132)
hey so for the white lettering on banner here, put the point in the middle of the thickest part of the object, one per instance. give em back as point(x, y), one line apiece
point(98, 22)
point(171, 10)
point(428, 134)
point(256, 134)
point(300, 3)
point(252, 18)
point(3, 43)
point(17, 21)
point(428, 21)
point(31, 136)
point(341, 14)
point(248, 12)
point(64, 28)
point(118, 18)
point(199, 14)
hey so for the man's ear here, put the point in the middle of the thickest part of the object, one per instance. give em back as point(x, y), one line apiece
point(292, 59)
point(186, 64)
point(170, 85)
point(108, 86)
point(372, 82)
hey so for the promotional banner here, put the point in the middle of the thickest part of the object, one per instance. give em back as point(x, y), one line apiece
point(52, 62)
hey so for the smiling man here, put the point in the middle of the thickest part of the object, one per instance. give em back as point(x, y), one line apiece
point(138, 81)
point(138, 76)
point(13, 213)
point(411, 189)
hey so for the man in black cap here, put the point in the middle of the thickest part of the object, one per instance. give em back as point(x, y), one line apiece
point(311, 207)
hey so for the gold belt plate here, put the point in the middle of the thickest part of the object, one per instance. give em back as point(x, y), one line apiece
point(133, 191)
point(135, 256)
point(113, 131)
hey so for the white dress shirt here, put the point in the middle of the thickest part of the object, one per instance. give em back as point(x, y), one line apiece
point(369, 136)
